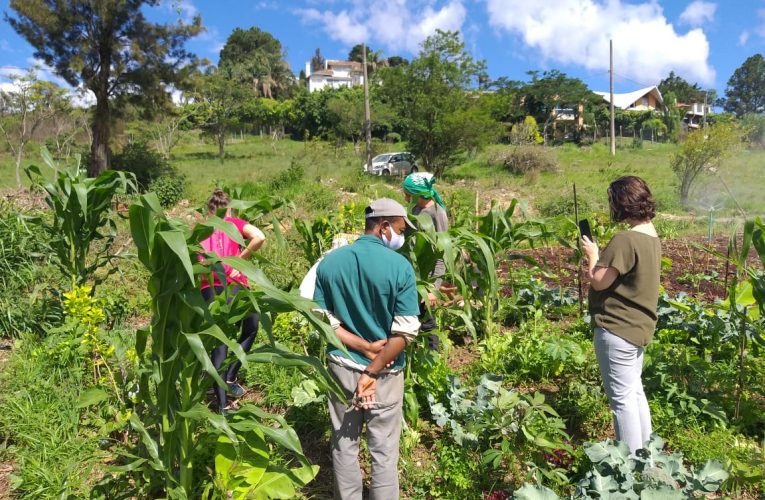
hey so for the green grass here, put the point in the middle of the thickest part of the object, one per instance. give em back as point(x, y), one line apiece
point(332, 175)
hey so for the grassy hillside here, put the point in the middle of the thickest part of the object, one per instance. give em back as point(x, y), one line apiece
point(259, 162)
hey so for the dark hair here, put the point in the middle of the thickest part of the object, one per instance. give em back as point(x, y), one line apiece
point(373, 222)
point(219, 199)
point(630, 198)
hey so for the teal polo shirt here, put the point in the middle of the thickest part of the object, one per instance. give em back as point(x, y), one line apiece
point(365, 285)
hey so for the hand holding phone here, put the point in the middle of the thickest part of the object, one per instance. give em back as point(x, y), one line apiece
point(584, 229)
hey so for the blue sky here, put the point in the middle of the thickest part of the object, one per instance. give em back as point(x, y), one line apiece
point(702, 40)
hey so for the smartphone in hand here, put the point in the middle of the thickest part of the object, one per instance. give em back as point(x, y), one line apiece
point(584, 229)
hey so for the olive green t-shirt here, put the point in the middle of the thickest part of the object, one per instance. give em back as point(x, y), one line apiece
point(628, 307)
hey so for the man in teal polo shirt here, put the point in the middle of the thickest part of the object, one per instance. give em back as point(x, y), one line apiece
point(369, 294)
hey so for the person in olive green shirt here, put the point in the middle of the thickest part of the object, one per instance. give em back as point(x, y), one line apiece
point(369, 294)
point(624, 294)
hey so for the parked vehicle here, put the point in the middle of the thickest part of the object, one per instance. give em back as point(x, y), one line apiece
point(400, 163)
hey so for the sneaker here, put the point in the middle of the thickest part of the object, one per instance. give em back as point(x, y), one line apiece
point(236, 390)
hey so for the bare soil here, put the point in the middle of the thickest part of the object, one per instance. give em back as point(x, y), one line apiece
point(693, 268)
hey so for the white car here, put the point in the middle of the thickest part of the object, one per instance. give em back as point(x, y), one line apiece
point(401, 163)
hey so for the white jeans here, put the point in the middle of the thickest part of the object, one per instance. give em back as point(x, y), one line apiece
point(621, 366)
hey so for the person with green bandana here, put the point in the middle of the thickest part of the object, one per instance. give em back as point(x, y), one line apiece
point(418, 187)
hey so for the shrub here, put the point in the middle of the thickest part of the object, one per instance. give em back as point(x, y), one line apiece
point(392, 137)
point(170, 189)
point(754, 124)
point(526, 159)
point(293, 175)
point(140, 159)
point(564, 205)
point(526, 132)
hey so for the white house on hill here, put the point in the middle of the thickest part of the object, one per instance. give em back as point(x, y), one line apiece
point(645, 99)
point(335, 74)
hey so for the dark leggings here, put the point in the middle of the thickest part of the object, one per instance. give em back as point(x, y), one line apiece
point(246, 338)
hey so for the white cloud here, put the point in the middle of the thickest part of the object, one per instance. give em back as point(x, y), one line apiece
point(397, 25)
point(761, 28)
point(698, 13)
point(743, 38)
point(576, 32)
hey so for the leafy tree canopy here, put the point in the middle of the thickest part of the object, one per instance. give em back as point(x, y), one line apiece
point(685, 92)
point(435, 99)
point(258, 57)
point(110, 48)
point(746, 88)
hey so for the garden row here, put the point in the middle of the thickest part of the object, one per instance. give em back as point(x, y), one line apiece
point(105, 393)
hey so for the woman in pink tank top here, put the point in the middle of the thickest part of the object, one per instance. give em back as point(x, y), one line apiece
point(219, 243)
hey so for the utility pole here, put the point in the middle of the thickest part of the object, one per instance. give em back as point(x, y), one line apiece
point(367, 117)
point(611, 100)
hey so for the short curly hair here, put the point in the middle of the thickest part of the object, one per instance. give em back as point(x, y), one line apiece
point(630, 198)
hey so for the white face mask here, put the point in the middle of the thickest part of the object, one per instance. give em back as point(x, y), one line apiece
point(396, 241)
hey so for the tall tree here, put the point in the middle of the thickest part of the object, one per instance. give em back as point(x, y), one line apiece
point(374, 59)
point(24, 109)
point(746, 88)
point(394, 61)
point(432, 95)
point(219, 100)
point(110, 48)
point(685, 92)
point(317, 61)
point(261, 58)
point(345, 113)
point(553, 89)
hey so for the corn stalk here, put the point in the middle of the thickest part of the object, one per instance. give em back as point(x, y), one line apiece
point(176, 370)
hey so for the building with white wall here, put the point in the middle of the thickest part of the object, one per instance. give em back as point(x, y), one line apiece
point(335, 74)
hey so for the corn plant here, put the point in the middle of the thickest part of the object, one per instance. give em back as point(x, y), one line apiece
point(176, 370)
point(82, 229)
point(472, 259)
point(745, 301)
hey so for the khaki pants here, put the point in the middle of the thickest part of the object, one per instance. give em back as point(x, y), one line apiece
point(383, 433)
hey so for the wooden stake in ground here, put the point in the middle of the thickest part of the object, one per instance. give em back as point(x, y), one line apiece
point(579, 247)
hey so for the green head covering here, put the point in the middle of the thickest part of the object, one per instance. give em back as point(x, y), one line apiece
point(421, 184)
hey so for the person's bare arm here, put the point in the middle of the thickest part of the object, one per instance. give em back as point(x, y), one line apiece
point(256, 239)
point(367, 385)
point(600, 277)
point(370, 350)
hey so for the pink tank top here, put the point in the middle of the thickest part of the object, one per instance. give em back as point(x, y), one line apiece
point(220, 244)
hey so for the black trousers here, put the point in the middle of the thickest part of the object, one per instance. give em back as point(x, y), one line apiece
point(249, 327)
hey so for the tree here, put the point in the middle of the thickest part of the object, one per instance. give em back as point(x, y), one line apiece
point(746, 88)
point(219, 99)
point(373, 58)
point(685, 92)
point(672, 116)
point(24, 109)
point(703, 152)
point(657, 127)
point(345, 112)
point(317, 61)
point(439, 115)
point(260, 58)
point(110, 48)
point(544, 94)
point(394, 61)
